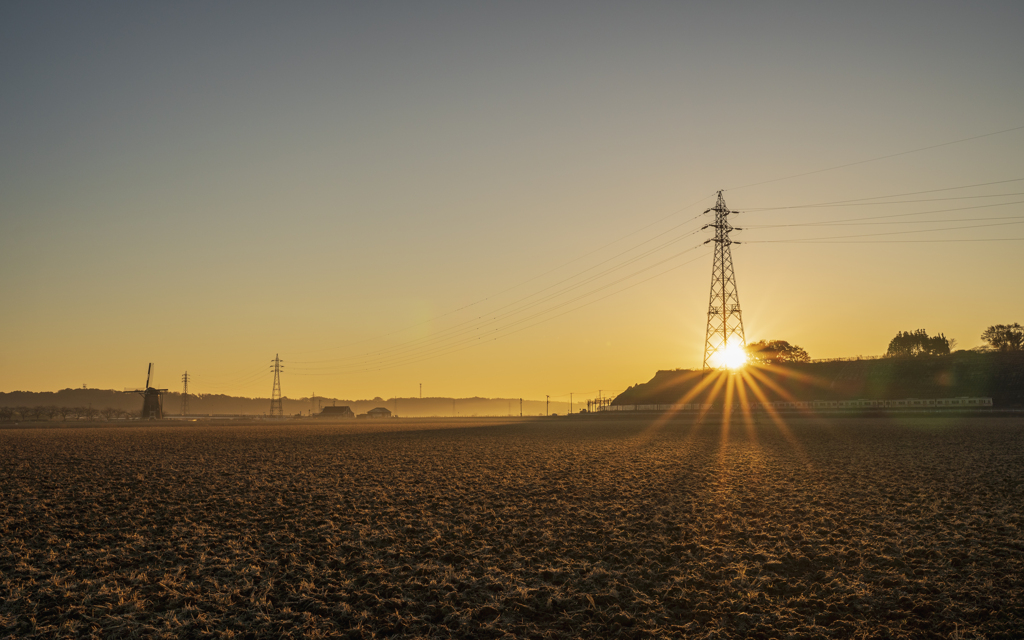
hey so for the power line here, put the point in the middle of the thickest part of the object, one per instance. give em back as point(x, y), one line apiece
point(440, 339)
point(813, 241)
point(477, 341)
point(548, 272)
point(458, 329)
point(897, 215)
point(886, 202)
point(237, 382)
point(894, 195)
point(402, 359)
point(885, 157)
point(452, 333)
point(232, 381)
point(474, 340)
point(890, 233)
point(444, 338)
point(841, 223)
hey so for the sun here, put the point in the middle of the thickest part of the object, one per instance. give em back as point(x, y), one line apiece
point(734, 356)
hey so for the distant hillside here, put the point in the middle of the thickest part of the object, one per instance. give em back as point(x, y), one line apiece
point(231, 405)
point(999, 376)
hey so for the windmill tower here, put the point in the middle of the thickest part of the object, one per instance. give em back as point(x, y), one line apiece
point(276, 408)
point(152, 400)
point(724, 340)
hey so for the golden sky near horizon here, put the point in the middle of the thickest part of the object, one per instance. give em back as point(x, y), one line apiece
point(494, 200)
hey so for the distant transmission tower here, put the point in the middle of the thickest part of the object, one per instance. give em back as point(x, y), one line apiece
point(276, 409)
point(184, 394)
point(725, 321)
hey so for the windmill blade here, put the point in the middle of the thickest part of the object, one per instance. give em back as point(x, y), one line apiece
point(149, 375)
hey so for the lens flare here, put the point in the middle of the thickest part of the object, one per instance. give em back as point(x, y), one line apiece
point(734, 357)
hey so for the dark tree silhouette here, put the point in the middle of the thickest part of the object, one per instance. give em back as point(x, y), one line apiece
point(775, 352)
point(917, 343)
point(1005, 337)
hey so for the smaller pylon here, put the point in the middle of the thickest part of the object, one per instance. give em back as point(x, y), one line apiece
point(184, 394)
point(276, 408)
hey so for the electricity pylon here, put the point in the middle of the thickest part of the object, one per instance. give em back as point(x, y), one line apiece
point(276, 409)
point(184, 394)
point(725, 321)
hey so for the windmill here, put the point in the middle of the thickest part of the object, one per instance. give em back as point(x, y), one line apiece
point(152, 401)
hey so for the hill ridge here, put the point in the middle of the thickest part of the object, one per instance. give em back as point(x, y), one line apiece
point(997, 375)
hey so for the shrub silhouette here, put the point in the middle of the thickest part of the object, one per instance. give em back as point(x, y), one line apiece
point(775, 352)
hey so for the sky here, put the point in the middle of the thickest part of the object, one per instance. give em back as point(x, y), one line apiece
point(494, 199)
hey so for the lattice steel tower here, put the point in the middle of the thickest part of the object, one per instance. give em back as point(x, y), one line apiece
point(276, 409)
point(184, 394)
point(725, 321)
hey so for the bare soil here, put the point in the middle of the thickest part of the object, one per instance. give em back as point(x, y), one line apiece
point(561, 528)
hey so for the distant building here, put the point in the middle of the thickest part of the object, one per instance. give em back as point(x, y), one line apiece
point(336, 412)
point(379, 412)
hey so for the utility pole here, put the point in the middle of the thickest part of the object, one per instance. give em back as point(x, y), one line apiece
point(276, 408)
point(184, 394)
point(725, 321)
point(421, 391)
point(520, 407)
point(547, 404)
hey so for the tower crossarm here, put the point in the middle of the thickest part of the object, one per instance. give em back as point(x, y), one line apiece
point(276, 406)
point(725, 320)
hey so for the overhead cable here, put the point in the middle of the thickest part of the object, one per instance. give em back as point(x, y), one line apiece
point(885, 157)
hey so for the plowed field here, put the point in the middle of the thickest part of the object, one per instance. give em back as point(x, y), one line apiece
point(560, 528)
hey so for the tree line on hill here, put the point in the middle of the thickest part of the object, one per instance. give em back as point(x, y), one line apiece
point(53, 412)
point(999, 337)
point(918, 343)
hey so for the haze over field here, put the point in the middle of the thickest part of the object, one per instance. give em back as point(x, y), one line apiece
point(458, 195)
